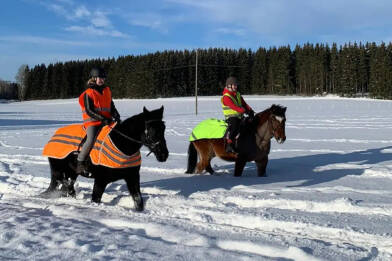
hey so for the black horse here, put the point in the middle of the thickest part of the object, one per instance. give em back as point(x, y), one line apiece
point(146, 128)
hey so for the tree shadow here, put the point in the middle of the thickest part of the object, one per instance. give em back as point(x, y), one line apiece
point(31, 123)
point(301, 171)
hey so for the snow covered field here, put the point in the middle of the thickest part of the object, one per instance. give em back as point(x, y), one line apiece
point(327, 196)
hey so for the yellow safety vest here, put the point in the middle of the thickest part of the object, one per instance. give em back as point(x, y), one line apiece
point(227, 111)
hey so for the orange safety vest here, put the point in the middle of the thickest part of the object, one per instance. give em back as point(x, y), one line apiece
point(102, 104)
point(67, 139)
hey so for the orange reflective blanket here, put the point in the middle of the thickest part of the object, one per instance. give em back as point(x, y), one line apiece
point(67, 139)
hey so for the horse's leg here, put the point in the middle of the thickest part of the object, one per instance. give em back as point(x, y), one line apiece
point(209, 168)
point(68, 182)
point(54, 180)
point(239, 166)
point(203, 164)
point(262, 166)
point(98, 189)
point(204, 154)
point(68, 178)
point(133, 183)
point(55, 177)
point(192, 158)
point(211, 155)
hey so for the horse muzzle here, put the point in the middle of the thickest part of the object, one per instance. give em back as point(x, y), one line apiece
point(161, 152)
point(280, 140)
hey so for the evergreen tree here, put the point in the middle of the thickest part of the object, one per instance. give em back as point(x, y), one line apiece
point(259, 72)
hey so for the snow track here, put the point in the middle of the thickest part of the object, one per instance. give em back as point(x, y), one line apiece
point(327, 195)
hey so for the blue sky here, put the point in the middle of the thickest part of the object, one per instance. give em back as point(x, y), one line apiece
point(48, 31)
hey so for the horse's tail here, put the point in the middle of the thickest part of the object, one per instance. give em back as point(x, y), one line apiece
point(192, 158)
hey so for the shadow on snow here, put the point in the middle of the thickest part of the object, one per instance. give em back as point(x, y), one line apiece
point(14, 123)
point(299, 171)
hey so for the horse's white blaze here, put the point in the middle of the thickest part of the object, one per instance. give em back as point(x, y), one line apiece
point(278, 118)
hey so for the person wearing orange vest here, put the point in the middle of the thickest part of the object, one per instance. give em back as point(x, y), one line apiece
point(234, 107)
point(98, 110)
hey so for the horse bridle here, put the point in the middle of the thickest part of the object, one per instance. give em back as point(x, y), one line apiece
point(270, 127)
point(150, 145)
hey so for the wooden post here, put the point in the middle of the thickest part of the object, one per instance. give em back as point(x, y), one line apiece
point(196, 84)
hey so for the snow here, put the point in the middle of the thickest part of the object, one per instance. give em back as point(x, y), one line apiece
point(327, 196)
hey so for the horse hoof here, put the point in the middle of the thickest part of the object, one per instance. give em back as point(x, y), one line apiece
point(96, 200)
point(139, 208)
point(50, 194)
point(138, 202)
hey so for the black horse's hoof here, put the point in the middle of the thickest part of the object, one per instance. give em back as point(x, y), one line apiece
point(87, 174)
point(139, 208)
point(138, 201)
point(96, 200)
point(50, 194)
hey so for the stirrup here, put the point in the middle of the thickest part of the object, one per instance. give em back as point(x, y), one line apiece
point(81, 167)
point(230, 147)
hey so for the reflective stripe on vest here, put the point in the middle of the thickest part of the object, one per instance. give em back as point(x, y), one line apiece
point(229, 112)
point(102, 105)
point(67, 140)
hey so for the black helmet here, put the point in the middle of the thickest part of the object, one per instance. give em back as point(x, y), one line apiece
point(98, 72)
point(231, 81)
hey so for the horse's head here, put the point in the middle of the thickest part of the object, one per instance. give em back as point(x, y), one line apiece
point(154, 134)
point(277, 120)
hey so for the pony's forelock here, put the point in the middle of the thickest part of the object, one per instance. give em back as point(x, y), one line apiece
point(278, 110)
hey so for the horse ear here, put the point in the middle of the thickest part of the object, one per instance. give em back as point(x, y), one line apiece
point(161, 111)
point(284, 109)
point(145, 109)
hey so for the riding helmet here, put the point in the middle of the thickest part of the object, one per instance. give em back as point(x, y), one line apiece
point(98, 72)
point(231, 81)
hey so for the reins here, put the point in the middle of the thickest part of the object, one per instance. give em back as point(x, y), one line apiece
point(138, 141)
point(266, 119)
point(126, 136)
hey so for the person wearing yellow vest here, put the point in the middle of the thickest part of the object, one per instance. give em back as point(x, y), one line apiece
point(98, 110)
point(234, 107)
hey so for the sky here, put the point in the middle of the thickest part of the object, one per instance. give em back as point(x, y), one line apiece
point(33, 32)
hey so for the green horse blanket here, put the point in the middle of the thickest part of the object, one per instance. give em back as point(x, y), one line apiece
point(209, 129)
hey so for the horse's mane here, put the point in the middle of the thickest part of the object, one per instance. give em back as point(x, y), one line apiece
point(277, 110)
point(134, 122)
point(133, 118)
point(140, 118)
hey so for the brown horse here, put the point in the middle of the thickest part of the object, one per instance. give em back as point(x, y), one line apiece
point(253, 143)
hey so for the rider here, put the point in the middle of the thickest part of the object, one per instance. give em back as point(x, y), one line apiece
point(234, 106)
point(98, 110)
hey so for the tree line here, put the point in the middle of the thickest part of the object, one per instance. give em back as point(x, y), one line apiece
point(311, 69)
point(8, 90)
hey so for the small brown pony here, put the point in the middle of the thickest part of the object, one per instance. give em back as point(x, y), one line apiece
point(253, 143)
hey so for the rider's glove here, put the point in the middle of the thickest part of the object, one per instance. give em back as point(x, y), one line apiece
point(250, 113)
point(106, 121)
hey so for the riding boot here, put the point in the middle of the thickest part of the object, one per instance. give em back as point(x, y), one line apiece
point(81, 167)
point(230, 146)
